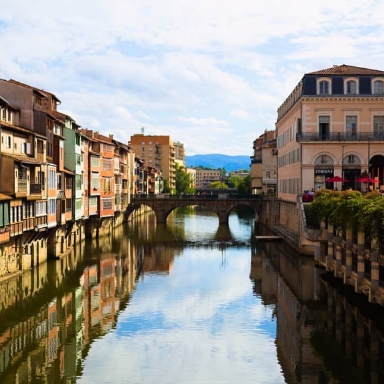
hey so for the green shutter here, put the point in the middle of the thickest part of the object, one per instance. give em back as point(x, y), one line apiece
point(1, 215)
point(6, 213)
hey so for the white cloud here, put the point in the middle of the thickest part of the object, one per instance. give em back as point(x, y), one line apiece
point(117, 65)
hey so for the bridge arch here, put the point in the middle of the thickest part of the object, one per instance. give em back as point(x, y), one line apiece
point(162, 207)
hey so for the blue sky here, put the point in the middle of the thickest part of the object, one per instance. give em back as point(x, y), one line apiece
point(209, 73)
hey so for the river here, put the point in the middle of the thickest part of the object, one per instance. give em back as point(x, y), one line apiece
point(186, 302)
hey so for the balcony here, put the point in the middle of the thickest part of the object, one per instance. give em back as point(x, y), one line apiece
point(340, 136)
point(35, 188)
point(269, 181)
point(22, 186)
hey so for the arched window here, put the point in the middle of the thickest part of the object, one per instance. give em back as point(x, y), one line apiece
point(351, 87)
point(324, 87)
point(323, 160)
point(378, 87)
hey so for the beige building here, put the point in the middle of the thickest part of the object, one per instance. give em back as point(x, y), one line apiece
point(192, 173)
point(204, 177)
point(264, 164)
point(157, 152)
point(179, 153)
point(332, 124)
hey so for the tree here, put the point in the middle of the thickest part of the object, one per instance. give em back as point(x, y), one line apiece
point(218, 185)
point(166, 189)
point(245, 185)
point(234, 181)
point(183, 180)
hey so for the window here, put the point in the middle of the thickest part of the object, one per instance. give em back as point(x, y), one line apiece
point(52, 206)
point(68, 205)
point(95, 161)
point(378, 88)
point(351, 87)
point(9, 141)
point(107, 203)
point(107, 164)
point(324, 123)
point(351, 125)
point(378, 124)
point(323, 88)
point(93, 201)
point(41, 208)
point(4, 213)
point(52, 179)
point(78, 181)
point(41, 179)
point(78, 159)
point(107, 185)
point(28, 209)
point(95, 181)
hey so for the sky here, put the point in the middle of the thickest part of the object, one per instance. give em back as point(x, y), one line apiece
point(211, 74)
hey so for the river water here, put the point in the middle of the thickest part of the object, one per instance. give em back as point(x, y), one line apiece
point(186, 302)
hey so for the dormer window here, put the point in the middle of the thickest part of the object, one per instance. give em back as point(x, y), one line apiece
point(378, 87)
point(324, 87)
point(351, 87)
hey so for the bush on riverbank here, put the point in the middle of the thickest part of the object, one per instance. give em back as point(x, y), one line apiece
point(351, 209)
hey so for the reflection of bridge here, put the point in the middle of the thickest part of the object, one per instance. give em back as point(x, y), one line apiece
point(222, 205)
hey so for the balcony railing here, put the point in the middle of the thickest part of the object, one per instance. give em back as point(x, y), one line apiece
point(340, 136)
point(22, 185)
point(35, 188)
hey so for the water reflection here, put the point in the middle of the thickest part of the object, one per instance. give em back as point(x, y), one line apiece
point(325, 332)
point(188, 302)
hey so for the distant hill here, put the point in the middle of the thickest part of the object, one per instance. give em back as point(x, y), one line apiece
point(215, 161)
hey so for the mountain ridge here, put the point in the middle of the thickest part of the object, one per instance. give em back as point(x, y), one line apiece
point(215, 161)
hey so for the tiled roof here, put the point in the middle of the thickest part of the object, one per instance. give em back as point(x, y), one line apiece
point(348, 70)
point(22, 158)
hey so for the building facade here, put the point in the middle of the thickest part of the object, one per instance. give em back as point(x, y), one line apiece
point(157, 152)
point(332, 124)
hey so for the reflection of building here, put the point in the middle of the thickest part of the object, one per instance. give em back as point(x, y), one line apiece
point(50, 316)
point(296, 293)
point(157, 259)
point(349, 335)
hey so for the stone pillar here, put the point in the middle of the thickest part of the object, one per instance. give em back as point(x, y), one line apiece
point(348, 249)
point(374, 276)
point(338, 256)
point(330, 246)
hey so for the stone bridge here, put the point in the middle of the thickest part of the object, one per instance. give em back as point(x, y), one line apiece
point(222, 204)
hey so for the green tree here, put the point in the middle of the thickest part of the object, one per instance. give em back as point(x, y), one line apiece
point(234, 181)
point(166, 189)
point(245, 185)
point(183, 180)
point(218, 185)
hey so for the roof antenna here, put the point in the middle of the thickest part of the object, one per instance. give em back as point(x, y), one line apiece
point(142, 130)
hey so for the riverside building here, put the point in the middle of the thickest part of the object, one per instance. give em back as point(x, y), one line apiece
point(332, 125)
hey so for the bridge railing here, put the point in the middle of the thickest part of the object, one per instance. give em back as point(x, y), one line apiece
point(197, 196)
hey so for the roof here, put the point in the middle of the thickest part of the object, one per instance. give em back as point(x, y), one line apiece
point(5, 197)
point(42, 92)
point(347, 70)
point(22, 158)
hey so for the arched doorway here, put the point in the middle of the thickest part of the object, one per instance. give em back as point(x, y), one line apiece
point(323, 170)
point(351, 170)
point(376, 169)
